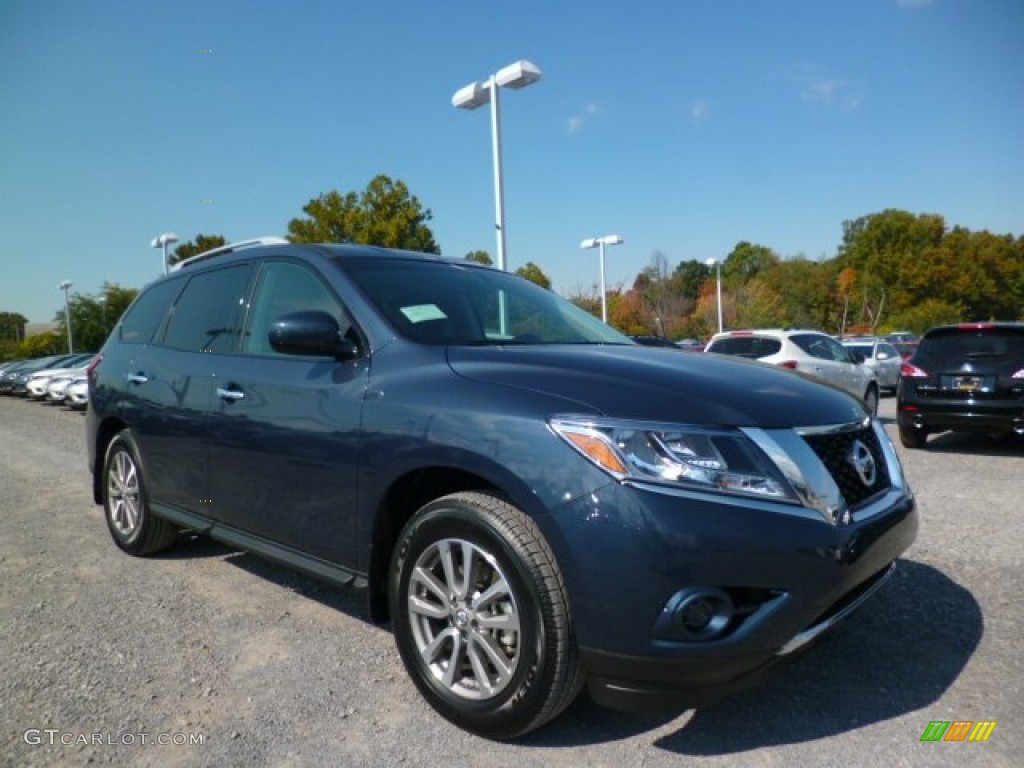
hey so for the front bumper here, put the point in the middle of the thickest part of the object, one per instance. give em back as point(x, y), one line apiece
point(631, 551)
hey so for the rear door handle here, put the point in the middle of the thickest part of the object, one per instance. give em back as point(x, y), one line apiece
point(136, 378)
point(229, 394)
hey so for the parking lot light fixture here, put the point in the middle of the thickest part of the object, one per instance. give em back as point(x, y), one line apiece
point(718, 288)
point(65, 286)
point(517, 75)
point(162, 242)
point(600, 243)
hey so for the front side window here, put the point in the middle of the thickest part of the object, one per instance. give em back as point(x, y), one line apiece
point(286, 287)
point(207, 316)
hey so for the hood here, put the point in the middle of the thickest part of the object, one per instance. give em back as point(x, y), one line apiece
point(653, 384)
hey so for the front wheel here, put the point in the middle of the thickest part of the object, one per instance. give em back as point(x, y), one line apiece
point(481, 617)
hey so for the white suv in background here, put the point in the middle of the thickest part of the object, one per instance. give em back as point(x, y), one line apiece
point(807, 351)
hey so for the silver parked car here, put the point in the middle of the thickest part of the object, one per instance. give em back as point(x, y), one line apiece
point(78, 393)
point(807, 351)
point(881, 357)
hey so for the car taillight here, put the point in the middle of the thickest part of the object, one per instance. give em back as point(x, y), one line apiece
point(907, 368)
point(791, 364)
point(92, 366)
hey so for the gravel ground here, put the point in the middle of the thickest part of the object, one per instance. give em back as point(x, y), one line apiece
point(104, 652)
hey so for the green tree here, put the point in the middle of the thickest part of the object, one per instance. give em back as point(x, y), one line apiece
point(928, 313)
point(885, 249)
point(803, 291)
point(758, 305)
point(534, 274)
point(747, 261)
point(191, 248)
point(12, 326)
point(93, 317)
point(689, 276)
point(43, 344)
point(383, 214)
point(480, 257)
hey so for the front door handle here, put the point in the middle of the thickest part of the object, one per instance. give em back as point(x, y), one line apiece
point(136, 378)
point(231, 395)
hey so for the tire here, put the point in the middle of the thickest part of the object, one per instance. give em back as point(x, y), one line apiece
point(510, 629)
point(134, 528)
point(913, 438)
point(871, 400)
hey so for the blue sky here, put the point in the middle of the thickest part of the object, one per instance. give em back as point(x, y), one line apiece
point(686, 126)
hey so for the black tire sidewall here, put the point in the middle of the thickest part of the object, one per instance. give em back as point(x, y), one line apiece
point(123, 443)
point(514, 710)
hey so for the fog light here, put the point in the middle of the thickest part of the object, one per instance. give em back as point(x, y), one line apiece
point(696, 613)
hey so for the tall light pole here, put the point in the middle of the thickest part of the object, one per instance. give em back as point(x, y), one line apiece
point(718, 288)
point(517, 75)
point(600, 243)
point(162, 242)
point(66, 286)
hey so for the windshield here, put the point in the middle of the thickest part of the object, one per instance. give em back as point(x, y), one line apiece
point(455, 303)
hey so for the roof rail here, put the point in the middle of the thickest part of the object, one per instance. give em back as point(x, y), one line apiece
point(229, 248)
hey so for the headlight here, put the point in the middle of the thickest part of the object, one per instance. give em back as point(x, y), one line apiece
point(701, 458)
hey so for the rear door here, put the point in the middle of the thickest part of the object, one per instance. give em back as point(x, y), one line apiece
point(834, 362)
point(169, 385)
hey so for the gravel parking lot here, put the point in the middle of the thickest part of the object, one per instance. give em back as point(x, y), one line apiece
point(105, 656)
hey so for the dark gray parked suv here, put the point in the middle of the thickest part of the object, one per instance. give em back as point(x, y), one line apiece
point(964, 378)
point(536, 504)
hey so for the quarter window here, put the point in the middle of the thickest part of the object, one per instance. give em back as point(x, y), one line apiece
point(144, 318)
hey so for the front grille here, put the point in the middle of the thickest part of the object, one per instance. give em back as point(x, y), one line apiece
point(836, 450)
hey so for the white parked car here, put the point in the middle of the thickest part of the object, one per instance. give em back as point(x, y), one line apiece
point(38, 382)
point(807, 351)
point(56, 391)
point(78, 393)
point(881, 357)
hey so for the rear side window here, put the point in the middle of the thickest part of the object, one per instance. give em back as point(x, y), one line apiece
point(207, 316)
point(822, 347)
point(746, 346)
point(146, 315)
point(992, 349)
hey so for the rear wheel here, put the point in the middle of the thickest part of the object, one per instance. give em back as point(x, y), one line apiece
point(913, 438)
point(132, 525)
point(871, 400)
point(481, 617)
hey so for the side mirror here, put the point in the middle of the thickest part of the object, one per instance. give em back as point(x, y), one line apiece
point(310, 333)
